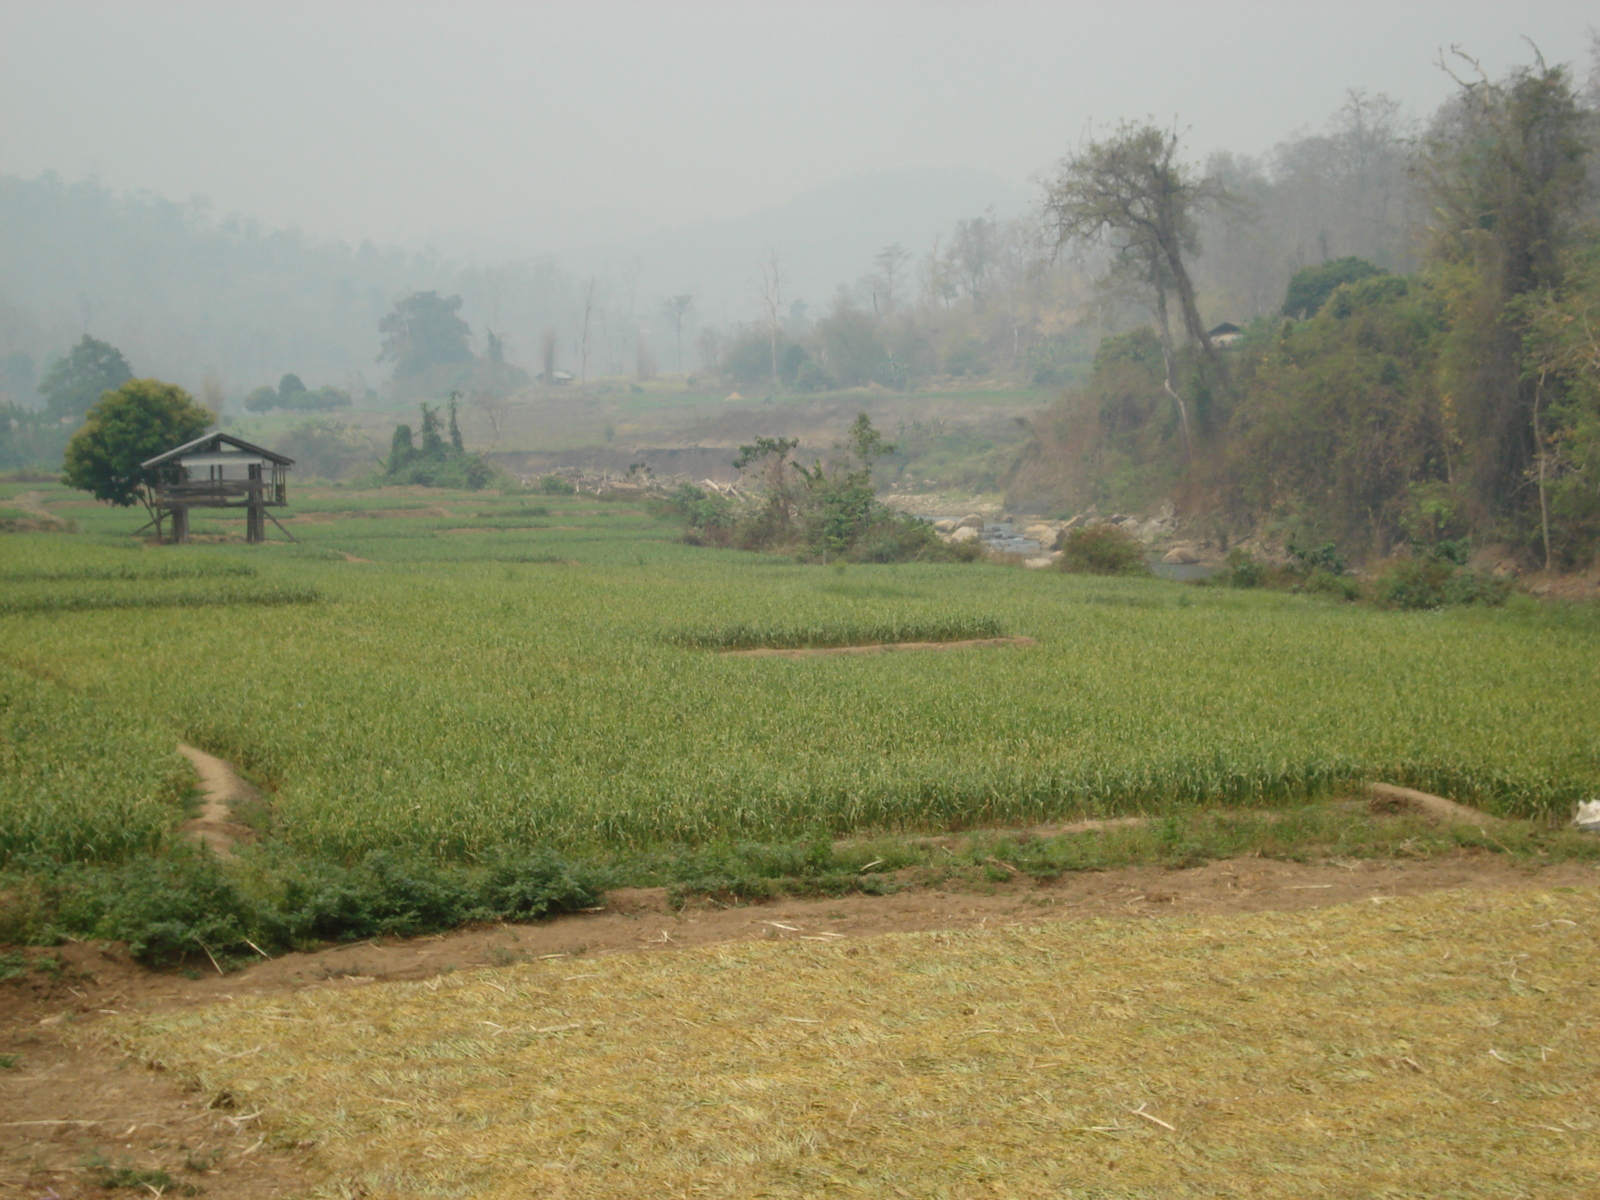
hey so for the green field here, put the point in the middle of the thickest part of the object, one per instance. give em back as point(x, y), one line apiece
point(456, 676)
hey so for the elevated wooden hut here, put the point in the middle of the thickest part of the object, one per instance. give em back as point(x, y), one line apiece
point(220, 471)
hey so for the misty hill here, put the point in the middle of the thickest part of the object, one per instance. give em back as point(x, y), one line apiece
point(823, 237)
point(186, 294)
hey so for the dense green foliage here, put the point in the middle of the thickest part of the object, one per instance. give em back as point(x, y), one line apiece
point(821, 513)
point(1393, 411)
point(73, 385)
point(292, 394)
point(141, 419)
point(424, 332)
point(1103, 549)
point(437, 462)
point(1310, 287)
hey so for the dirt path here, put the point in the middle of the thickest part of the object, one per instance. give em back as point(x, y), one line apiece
point(220, 789)
point(33, 502)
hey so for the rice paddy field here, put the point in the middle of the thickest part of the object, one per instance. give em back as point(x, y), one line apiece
point(450, 674)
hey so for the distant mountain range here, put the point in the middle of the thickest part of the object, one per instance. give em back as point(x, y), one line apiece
point(185, 294)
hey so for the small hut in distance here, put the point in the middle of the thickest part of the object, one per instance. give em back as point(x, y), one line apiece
point(219, 470)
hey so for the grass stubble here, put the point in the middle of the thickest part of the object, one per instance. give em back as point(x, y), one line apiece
point(1442, 1045)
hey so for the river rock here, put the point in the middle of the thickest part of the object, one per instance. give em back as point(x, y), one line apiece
point(971, 521)
point(1038, 564)
point(1045, 535)
point(944, 526)
point(963, 535)
point(1180, 556)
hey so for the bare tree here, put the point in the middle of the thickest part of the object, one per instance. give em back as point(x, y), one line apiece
point(887, 278)
point(588, 314)
point(547, 354)
point(675, 309)
point(770, 287)
point(972, 256)
point(709, 345)
point(644, 362)
point(1132, 195)
point(936, 277)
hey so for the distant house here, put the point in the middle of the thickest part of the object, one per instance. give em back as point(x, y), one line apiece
point(1225, 334)
point(561, 377)
point(219, 470)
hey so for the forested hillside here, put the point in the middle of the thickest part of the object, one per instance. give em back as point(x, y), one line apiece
point(1380, 405)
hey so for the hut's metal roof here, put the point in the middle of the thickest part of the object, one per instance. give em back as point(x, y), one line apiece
point(212, 443)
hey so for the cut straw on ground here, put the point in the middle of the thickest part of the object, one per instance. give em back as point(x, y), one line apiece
point(1438, 1045)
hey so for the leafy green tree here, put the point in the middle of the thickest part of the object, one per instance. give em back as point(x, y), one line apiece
point(1310, 287)
point(1506, 169)
point(288, 388)
point(1561, 356)
point(1341, 422)
point(424, 332)
point(402, 449)
point(90, 370)
point(141, 419)
point(437, 462)
point(456, 443)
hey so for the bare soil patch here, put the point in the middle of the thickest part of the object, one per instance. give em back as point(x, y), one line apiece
point(220, 790)
point(33, 502)
point(878, 648)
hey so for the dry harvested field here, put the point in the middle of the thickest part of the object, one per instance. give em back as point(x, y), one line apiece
point(1221, 1031)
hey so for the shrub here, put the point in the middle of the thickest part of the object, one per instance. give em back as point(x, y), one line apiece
point(1437, 583)
point(1243, 570)
point(554, 485)
point(1103, 550)
point(1310, 559)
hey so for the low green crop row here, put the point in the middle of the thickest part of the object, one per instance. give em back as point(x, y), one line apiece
point(203, 569)
point(20, 600)
point(748, 636)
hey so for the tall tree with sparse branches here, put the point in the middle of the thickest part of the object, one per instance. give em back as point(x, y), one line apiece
point(1133, 195)
point(675, 308)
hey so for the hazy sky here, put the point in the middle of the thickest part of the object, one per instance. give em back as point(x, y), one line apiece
point(530, 125)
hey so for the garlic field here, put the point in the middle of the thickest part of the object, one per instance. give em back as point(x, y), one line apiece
point(452, 674)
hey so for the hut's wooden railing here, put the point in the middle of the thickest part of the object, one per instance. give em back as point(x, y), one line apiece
point(222, 492)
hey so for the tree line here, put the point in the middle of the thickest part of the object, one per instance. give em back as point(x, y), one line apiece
point(1383, 405)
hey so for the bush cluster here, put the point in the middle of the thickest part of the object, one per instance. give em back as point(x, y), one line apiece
point(1437, 582)
point(188, 904)
point(437, 462)
point(819, 513)
point(1103, 550)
